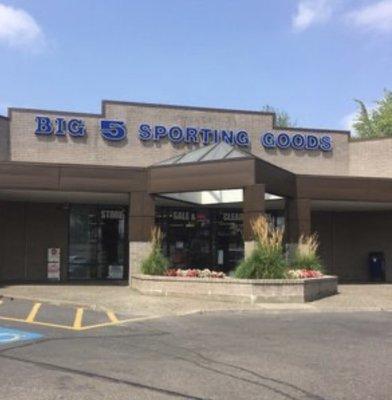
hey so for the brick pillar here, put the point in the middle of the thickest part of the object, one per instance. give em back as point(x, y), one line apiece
point(141, 221)
point(253, 206)
point(298, 219)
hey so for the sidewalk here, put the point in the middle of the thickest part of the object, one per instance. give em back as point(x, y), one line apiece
point(123, 300)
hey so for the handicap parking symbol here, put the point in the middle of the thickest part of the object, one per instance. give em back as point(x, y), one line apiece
point(15, 335)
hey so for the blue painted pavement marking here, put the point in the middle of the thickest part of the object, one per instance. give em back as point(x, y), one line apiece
point(15, 335)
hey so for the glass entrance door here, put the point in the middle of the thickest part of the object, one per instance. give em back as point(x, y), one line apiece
point(96, 242)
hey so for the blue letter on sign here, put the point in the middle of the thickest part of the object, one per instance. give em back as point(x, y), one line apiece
point(242, 138)
point(60, 126)
point(283, 141)
point(44, 126)
point(268, 140)
point(298, 141)
point(160, 132)
point(145, 132)
point(76, 127)
point(175, 134)
point(326, 143)
point(311, 142)
point(113, 130)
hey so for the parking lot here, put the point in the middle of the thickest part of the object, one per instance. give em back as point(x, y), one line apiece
point(74, 346)
point(59, 316)
point(225, 355)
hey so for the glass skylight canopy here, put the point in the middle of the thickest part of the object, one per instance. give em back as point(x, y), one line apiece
point(213, 152)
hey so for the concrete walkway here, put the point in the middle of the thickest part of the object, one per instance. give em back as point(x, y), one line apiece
point(123, 300)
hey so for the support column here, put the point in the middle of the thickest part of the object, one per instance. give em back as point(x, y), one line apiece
point(141, 221)
point(253, 206)
point(298, 219)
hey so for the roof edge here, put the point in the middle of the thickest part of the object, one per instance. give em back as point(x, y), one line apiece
point(341, 177)
point(47, 164)
point(178, 107)
point(360, 140)
point(321, 130)
point(44, 111)
point(182, 107)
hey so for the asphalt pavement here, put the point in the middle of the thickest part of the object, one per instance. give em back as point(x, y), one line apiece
point(221, 355)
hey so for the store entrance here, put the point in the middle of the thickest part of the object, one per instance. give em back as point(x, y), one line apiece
point(97, 242)
point(202, 237)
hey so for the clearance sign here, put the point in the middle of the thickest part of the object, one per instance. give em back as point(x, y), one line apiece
point(114, 130)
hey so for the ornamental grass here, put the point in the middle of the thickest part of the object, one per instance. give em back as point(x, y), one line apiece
point(267, 260)
point(305, 255)
point(156, 263)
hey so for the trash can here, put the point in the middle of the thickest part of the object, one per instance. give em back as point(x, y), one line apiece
point(376, 266)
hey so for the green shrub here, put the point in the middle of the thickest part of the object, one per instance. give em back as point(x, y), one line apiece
point(262, 264)
point(156, 263)
point(267, 260)
point(305, 255)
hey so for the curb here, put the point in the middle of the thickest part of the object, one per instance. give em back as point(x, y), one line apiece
point(267, 308)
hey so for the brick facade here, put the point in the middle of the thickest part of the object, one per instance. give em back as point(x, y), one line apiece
point(346, 237)
point(93, 149)
point(4, 139)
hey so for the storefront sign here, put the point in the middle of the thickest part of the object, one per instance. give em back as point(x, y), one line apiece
point(297, 141)
point(112, 214)
point(113, 130)
point(177, 134)
point(116, 271)
point(232, 216)
point(183, 216)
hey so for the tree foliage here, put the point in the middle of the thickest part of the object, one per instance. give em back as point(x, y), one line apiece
point(376, 122)
point(283, 119)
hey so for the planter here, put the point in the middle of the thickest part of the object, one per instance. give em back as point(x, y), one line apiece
point(239, 290)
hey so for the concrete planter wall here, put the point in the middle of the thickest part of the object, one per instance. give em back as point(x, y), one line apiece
point(239, 290)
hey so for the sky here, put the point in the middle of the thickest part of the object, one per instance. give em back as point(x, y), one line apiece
point(311, 58)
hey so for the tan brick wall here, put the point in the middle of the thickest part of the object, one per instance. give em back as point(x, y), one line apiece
point(26, 146)
point(371, 158)
point(309, 162)
point(138, 251)
point(4, 139)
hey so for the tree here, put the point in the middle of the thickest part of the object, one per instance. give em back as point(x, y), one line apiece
point(283, 119)
point(376, 122)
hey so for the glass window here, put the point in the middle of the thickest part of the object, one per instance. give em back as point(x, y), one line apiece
point(97, 242)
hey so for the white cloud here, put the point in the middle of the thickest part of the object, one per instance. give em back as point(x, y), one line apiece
point(376, 16)
point(19, 29)
point(348, 121)
point(312, 12)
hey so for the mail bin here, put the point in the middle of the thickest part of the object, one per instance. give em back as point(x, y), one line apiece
point(376, 266)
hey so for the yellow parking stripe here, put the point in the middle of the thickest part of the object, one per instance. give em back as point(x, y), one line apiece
point(49, 324)
point(78, 318)
point(84, 328)
point(33, 312)
point(112, 316)
point(123, 321)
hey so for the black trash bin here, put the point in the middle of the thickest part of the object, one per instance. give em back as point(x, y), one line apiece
point(376, 266)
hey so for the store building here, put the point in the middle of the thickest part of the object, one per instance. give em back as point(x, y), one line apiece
point(79, 193)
